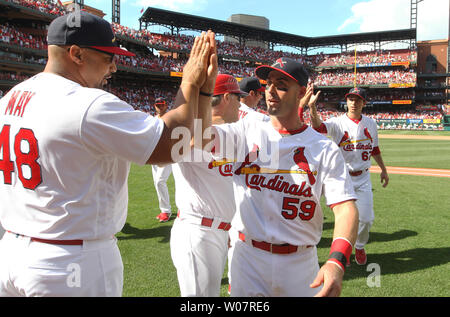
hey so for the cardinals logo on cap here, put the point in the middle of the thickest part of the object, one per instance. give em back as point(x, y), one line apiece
point(279, 62)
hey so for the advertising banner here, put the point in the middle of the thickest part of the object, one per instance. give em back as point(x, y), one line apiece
point(401, 102)
point(409, 124)
point(405, 85)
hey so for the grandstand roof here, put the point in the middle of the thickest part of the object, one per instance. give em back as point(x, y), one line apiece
point(198, 23)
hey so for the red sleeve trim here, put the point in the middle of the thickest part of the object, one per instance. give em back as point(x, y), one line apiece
point(322, 128)
point(376, 151)
point(334, 205)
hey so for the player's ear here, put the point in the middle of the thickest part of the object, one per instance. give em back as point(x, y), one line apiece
point(75, 54)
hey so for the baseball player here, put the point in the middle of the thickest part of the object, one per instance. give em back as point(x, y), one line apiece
point(205, 200)
point(67, 146)
point(283, 168)
point(162, 173)
point(252, 86)
point(357, 138)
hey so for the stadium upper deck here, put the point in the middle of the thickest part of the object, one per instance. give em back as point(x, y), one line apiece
point(160, 57)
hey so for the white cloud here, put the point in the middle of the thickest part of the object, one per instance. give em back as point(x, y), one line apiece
point(383, 15)
point(175, 5)
point(432, 20)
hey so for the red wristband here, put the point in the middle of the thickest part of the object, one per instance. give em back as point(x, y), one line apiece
point(340, 252)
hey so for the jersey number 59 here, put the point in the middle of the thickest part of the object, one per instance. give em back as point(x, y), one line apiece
point(28, 158)
point(291, 208)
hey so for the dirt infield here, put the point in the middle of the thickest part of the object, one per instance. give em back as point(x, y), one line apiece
point(413, 171)
point(410, 170)
point(417, 137)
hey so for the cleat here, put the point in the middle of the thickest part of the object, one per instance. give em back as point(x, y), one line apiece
point(360, 256)
point(163, 217)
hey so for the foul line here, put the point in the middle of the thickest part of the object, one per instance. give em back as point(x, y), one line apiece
point(413, 171)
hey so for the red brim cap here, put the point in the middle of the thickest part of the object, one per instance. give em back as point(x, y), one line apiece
point(113, 50)
point(264, 70)
point(355, 94)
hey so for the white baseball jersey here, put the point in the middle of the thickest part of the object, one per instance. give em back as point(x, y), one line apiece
point(279, 182)
point(198, 240)
point(356, 139)
point(66, 153)
point(249, 113)
point(205, 188)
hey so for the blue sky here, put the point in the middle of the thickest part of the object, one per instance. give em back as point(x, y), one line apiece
point(304, 17)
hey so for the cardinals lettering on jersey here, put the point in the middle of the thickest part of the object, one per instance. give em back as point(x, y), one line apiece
point(225, 166)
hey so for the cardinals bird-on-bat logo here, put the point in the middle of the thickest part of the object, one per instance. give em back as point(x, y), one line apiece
point(367, 134)
point(344, 139)
point(302, 163)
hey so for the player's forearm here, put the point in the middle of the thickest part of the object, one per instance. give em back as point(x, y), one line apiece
point(204, 117)
point(346, 221)
point(183, 115)
point(186, 108)
point(316, 121)
point(379, 161)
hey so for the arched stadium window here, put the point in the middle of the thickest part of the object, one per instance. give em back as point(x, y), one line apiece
point(431, 64)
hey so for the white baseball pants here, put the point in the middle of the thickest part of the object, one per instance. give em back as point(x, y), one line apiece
point(29, 268)
point(160, 176)
point(255, 272)
point(199, 255)
point(363, 190)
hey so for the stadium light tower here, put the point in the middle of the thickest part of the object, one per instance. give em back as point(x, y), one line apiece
point(413, 20)
point(79, 2)
point(116, 11)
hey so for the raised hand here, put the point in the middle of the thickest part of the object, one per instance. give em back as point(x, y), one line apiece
point(213, 67)
point(195, 70)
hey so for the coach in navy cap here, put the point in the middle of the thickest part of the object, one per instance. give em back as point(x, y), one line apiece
point(85, 30)
point(255, 90)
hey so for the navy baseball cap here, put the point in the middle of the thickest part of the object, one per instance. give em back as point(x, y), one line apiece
point(250, 83)
point(287, 66)
point(160, 101)
point(360, 92)
point(86, 30)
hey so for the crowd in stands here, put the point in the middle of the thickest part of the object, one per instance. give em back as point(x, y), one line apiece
point(148, 62)
point(346, 77)
point(142, 98)
point(12, 76)
point(10, 56)
point(326, 114)
point(11, 35)
point(371, 57)
point(54, 7)
point(184, 42)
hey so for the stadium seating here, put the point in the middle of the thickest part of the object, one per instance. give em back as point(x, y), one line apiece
point(162, 56)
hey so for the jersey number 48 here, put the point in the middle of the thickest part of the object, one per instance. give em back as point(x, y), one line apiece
point(28, 158)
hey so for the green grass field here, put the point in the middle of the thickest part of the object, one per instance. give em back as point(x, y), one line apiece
point(409, 245)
